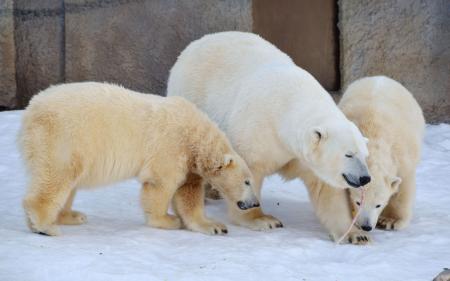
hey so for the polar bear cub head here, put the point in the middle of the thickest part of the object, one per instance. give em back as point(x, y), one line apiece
point(376, 196)
point(336, 151)
point(233, 179)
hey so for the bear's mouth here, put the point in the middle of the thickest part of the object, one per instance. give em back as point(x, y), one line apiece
point(349, 182)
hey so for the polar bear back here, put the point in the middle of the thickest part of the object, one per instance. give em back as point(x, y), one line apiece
point(225, 55)
point(226, 59)
point(385, 111)
point(110, 130)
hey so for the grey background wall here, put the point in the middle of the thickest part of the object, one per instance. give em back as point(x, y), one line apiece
point(135, 42)
point(408, 40)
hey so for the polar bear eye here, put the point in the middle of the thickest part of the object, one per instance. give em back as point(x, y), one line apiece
point(348, 155)
point(247, 182)
point(378, 206)
point(357, 203)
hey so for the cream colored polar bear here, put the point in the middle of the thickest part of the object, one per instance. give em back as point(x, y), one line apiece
point(83, 135)
point(273, 111)
point(390, 117)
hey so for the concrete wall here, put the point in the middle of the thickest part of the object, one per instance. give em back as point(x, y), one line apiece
point(135, 42)
point(7, 55)
point(408, 40)
point(131, 42)
point(39, 40)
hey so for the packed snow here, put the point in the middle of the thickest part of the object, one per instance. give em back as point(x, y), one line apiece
point(115, 244)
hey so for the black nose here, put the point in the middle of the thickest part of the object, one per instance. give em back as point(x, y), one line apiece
point(366, 227)
point(247, 205)
point(364, 180)
point(242, 205)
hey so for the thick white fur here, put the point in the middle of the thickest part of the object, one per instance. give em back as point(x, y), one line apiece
point(391, 118)
point(88, 134)
point(272, 110)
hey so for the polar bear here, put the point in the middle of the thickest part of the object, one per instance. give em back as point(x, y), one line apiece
point(272, 111)
point(82, 135)
point(331, 205)
point(391, 118)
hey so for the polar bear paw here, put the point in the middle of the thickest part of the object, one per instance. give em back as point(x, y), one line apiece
point(71, 218)
point(359, 238)
point(391, 223)
point(50, 230)
point(165, 222)
point(209, 228)
point(264, 222)
point(42, 228)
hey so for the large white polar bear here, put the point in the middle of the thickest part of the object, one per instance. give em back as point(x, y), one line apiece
point(273, 111)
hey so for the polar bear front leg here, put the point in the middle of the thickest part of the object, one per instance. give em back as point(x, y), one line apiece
point(253, 218)
point(188, 203)
point(155, 200)
point(398, 213)
point(332, 207)
point(69, 216)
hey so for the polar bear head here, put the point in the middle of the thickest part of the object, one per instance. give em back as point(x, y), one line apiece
point(336, 151)
point(376, 196)
point(232, 177)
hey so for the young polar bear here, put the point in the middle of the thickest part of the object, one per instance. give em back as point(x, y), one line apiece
point(273, 111)
point(89, 134)
point(390, 117)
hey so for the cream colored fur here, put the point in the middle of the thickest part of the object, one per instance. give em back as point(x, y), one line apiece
point(83, 135)
point(273, 111)
point(391, 118)
point(388, 115)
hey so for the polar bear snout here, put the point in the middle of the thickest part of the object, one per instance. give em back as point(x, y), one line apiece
point(366, 227)
point(355, 181)
point(248, 201)
point(244, 205)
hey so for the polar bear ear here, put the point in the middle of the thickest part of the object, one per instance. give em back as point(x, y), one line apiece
point(311, 139)
point(395, 183)
point(317, 134)
point(227, 161)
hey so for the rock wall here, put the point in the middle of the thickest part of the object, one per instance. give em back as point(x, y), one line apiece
point(39, 40)
point(131, 42)
point(135, 42)
point(408, 40)
point(7, 56)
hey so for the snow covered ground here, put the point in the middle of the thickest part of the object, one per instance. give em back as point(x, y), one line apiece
point(116, 245)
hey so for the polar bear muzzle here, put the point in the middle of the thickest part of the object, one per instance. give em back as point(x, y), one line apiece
point(356, 174)
point(244, 205)
point(354, 181)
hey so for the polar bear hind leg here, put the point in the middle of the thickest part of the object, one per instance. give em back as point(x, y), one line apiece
point(69, 216)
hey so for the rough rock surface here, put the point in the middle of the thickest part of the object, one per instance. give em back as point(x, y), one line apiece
point(7, 56)
point(39, 40)
point(408, 40)
point(135, 42)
